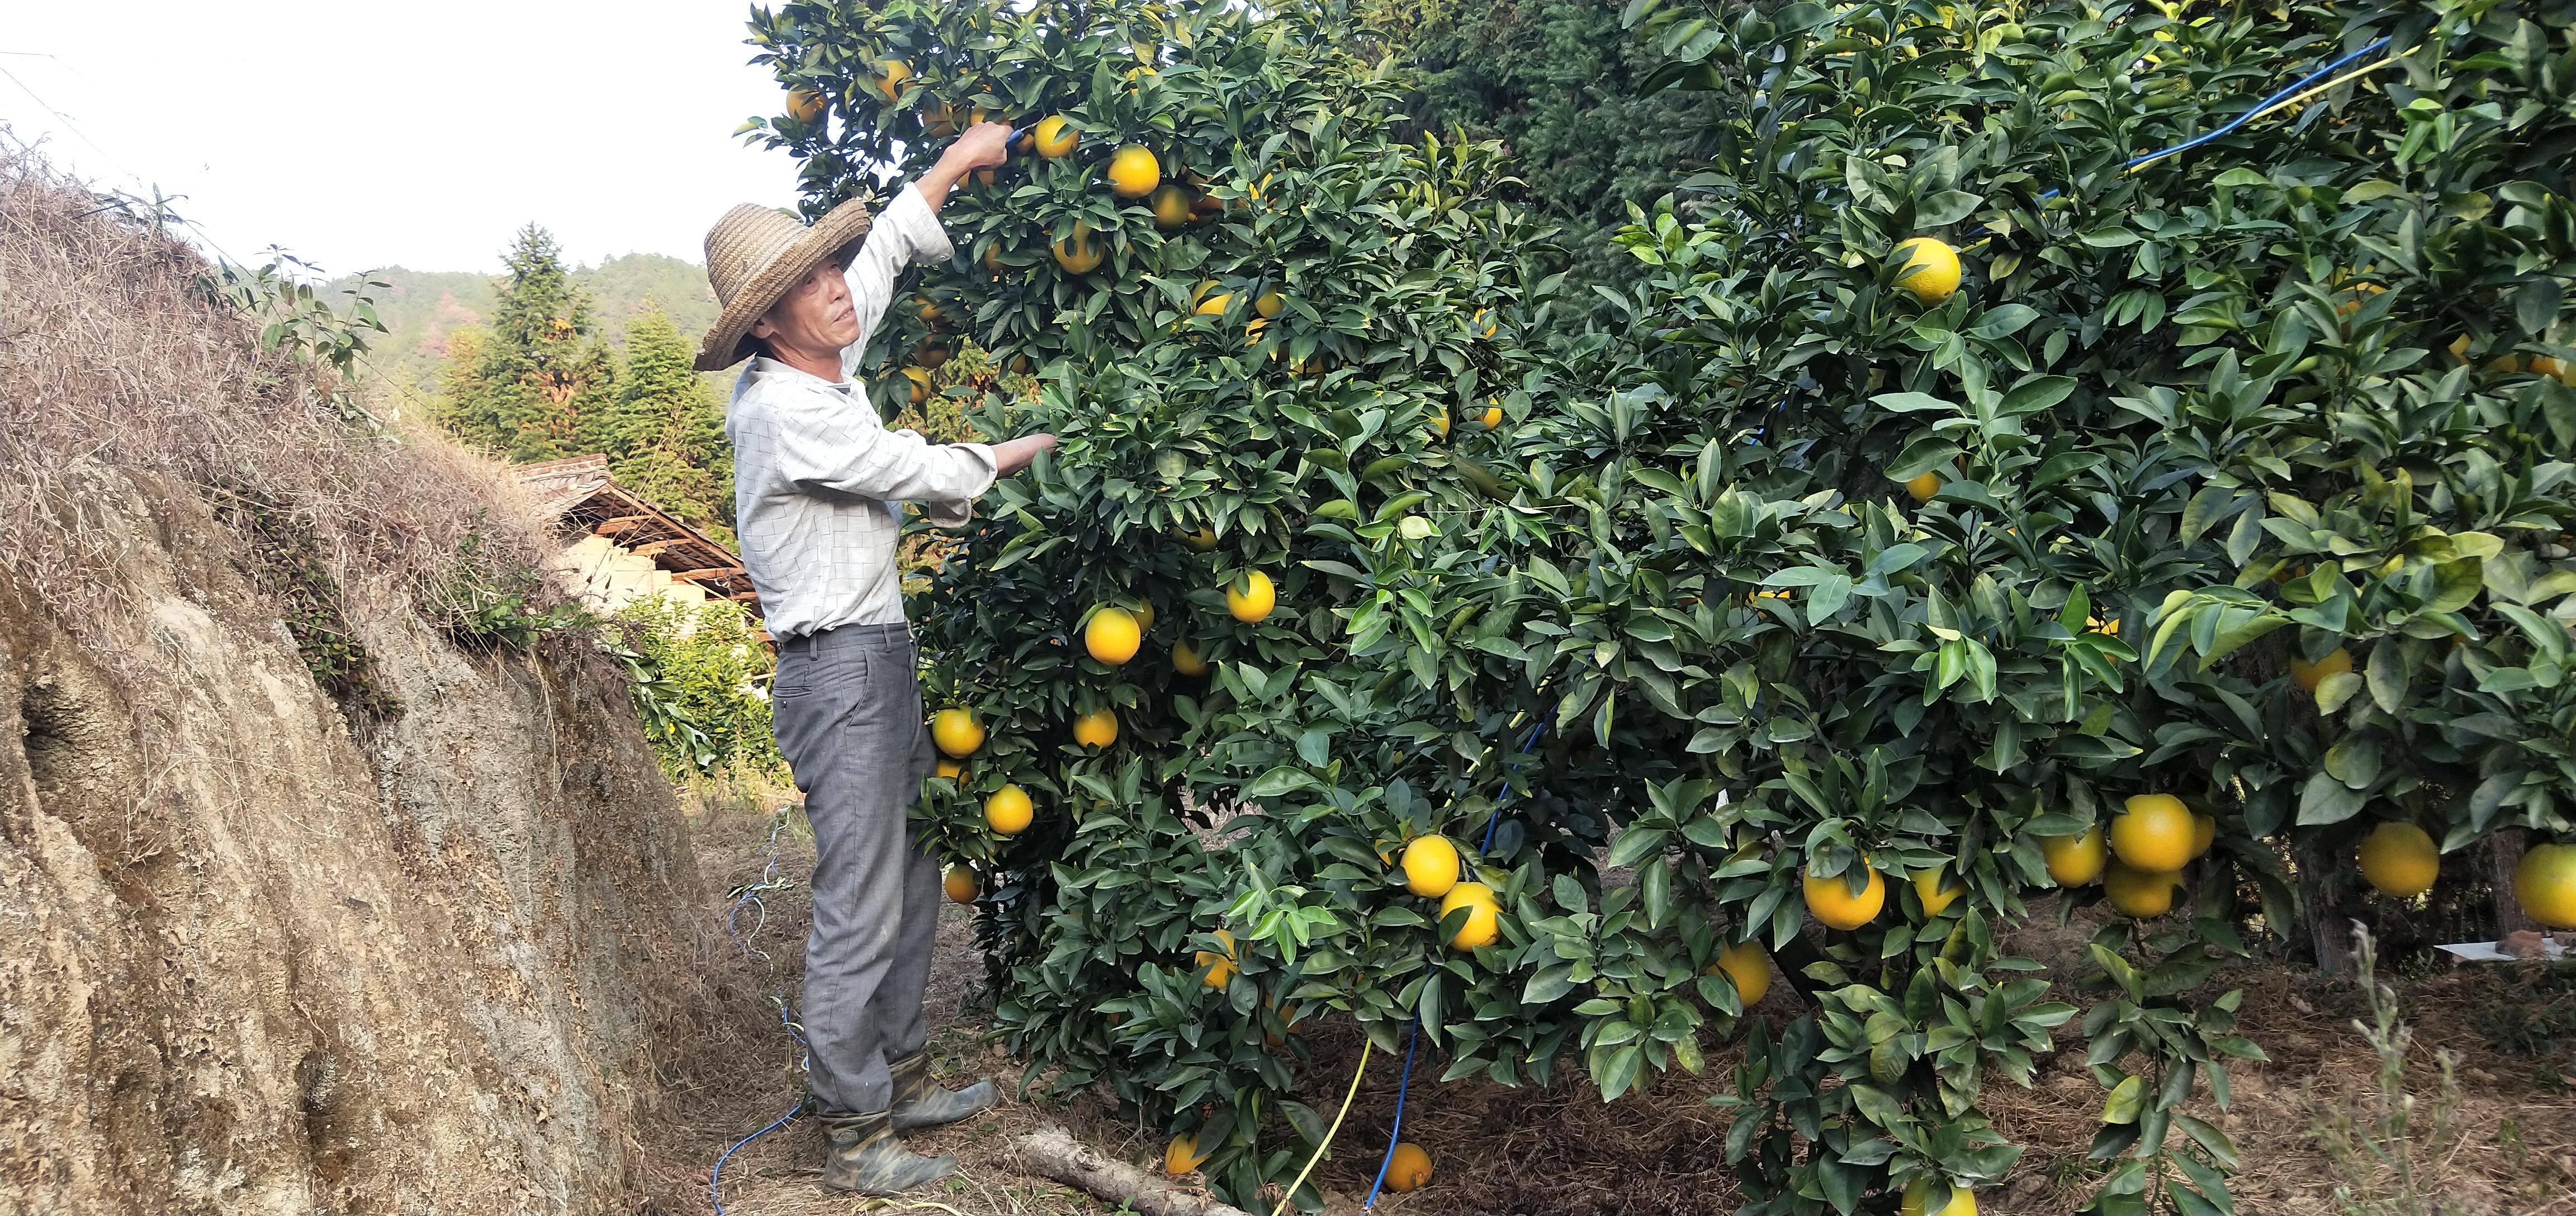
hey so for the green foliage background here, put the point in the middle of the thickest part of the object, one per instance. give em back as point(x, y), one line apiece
point(709, 672)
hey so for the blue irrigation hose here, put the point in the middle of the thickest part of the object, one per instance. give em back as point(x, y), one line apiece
point(1412, 1038)
point(1413, 1034)
point(769, 881)
point(2269, 104)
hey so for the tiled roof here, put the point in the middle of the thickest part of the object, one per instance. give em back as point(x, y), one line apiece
point(583, 499)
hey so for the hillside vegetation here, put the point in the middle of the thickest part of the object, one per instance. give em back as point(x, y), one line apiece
point(335, 872)
point(423, 309)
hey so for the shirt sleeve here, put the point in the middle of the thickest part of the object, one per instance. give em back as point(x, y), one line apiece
point(905, 233)
point(822, 446)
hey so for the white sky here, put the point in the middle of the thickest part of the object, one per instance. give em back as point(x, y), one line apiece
point(361, 134)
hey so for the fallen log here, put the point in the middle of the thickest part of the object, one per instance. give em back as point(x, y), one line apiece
point(1054, 1152)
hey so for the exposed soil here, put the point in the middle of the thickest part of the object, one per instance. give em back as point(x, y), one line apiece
point(1560, 1152)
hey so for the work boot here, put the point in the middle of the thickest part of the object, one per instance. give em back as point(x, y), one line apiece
point(865, 1156)
point(919, 1104)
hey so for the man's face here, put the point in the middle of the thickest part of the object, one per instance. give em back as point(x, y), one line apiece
point(814, 316)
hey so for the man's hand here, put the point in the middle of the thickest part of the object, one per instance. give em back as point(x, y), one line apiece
point(983, 146)
point(1012, 455)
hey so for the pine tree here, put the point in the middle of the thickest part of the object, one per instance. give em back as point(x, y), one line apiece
point(668, 442)
point(592, 424)
point(531, 376)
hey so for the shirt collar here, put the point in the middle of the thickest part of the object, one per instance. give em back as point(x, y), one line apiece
point(763, 366)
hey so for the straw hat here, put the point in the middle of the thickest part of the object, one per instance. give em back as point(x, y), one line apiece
point(754, 254)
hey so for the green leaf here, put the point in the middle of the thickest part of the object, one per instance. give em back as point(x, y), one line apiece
point(2325, 800)
point(2127, 1099)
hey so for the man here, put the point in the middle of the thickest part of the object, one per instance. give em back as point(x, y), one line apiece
point(819, 488)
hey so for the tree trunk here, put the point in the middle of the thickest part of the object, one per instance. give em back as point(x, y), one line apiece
point(2328, 909)
point(2504, 851)
point(1052, 1151)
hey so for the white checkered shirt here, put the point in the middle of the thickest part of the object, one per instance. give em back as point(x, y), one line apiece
point(819, 483)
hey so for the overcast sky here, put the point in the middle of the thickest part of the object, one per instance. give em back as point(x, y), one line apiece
point(361, 134)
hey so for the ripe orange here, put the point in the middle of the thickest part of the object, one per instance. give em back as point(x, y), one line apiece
point(1253, 602)
point(1214, 304)
point(2153, 832)
point(1219, 967)
point(1923, 486)
point(2075, 860)
point(1268, 304)
point(1078, 254)
point(2308, 675)
point(1186, 660)
point(1482, 327)
point(1749, 966)
point(960, 884)
point(1963, 1202)
point(1112, 634)
point(2545, 884)
point(1099, 728)
point(893, 77)
point(2139, 893)
point(804, 105)
point(1936, 889)
point(1440, 424)
point(920, 386)
point(953, 770)
point(2204, 833)
point(1407, 1168)
point(931, 355)
point(1832, 901)
point(1202, 540)
point(2400, 859)
point(1931, 269)
point(1133, 172)
point(1009, 811)
point(1484, 915)
point(1054, 137)
point(1430, 866)
point(1144, 613)
point(1171, 204)
point(1491, 416)
point(1183, 1156)
point(956, 731)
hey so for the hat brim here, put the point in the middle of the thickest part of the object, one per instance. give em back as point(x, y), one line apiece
point(837, 234)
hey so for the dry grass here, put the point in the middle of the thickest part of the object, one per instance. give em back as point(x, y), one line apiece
point(115, 353)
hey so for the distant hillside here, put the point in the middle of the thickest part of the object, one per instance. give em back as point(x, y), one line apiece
point(422, 307)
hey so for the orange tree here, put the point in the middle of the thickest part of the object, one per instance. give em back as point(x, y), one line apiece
point(1277, 345)
point(1824, 585)
point(2286, 412)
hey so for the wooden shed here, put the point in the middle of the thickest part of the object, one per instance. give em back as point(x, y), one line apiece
point(618, 548)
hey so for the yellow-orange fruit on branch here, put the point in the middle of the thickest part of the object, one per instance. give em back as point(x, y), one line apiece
point(2075, 860)
point(1749, 966)
point(1832, 901)
point(2152, 832)
point(2400, 859)
point(1430, 866)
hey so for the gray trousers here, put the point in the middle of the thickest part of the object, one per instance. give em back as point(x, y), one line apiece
point(847, 709)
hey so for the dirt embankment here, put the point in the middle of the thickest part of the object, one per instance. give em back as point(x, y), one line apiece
point(421, 943)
